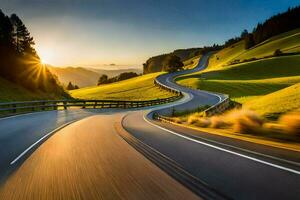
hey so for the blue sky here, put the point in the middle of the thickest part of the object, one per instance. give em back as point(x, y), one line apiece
point(86, 32)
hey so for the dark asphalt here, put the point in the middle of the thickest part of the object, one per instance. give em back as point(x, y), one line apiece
point(235, 176)
point(20, 132)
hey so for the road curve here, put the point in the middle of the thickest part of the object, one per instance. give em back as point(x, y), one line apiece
point(236, 169)
point(195, 98)
point(89, 160)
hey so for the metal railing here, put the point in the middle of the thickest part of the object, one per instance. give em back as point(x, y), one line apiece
point(169, 89)
point(31, 106)
point(218, 108)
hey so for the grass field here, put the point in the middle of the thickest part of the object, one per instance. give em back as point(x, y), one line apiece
point(250, 81)
point(139, 88)
point(277, 102)
point(288, 42)
point(12, 92)
point(247, 81)
point(260, 81)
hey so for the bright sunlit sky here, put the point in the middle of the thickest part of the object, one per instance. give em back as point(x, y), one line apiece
point(91, 33)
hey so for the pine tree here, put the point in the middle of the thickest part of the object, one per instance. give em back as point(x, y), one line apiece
point(23, 41)
point(6, 47)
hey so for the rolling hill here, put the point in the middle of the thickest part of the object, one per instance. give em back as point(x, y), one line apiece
point(249, 81)
point(278, 102)
point(288, 42)
point(139, 88)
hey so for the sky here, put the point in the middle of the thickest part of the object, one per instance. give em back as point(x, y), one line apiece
point(101, 32)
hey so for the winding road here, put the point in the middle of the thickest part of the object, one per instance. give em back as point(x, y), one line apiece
point(125, 154)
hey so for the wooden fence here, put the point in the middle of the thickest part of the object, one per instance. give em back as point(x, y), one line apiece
point(31, 106)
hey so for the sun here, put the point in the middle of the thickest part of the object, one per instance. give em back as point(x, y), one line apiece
point(43, 61)
point(46, 56)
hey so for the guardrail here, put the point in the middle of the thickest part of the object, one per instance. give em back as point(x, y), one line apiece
point(217, 108)
point(31, 106)
point(165, 87)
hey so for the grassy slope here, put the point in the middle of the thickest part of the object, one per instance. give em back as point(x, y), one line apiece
point(139, 88)
point(249, 81)
point(192, 62)
point(12, 92)
point(287, 42)
point(277, 102)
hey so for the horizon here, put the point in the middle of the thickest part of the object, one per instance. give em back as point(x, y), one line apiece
point(82, 35)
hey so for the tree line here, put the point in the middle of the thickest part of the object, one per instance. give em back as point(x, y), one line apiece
point(123, 76)
point(277, 24)
point(19, 61)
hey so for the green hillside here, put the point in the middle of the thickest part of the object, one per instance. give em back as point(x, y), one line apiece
point(250, 81)
point(12, 92)
point(247, 81)
point(278, 102)
point(139, 88)
point(288, 42)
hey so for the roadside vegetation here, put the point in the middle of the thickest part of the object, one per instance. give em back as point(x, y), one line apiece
point(14, 92)
point(248, 123)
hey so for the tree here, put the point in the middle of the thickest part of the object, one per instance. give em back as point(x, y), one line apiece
point(249, 41)
point(126, 75)
point(244, 34)
point(103, 79)
point(70, 86)
point(6, 47)
point(76, 87)
point(277, 52)
point(172, 63)
point(23, 41)
point(19, 61)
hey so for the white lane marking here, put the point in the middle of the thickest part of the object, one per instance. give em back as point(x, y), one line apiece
point(225, 150)
point(20, 115)
point(41, 139)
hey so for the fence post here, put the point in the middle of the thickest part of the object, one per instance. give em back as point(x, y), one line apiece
point(43, 105)
point(15, 108)
point(95, 105)
point(83, 104)
point(55, 106)
point(65, 105)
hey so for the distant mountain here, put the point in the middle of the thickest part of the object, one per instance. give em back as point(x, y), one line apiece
point(84, 77)
point(115, 72)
